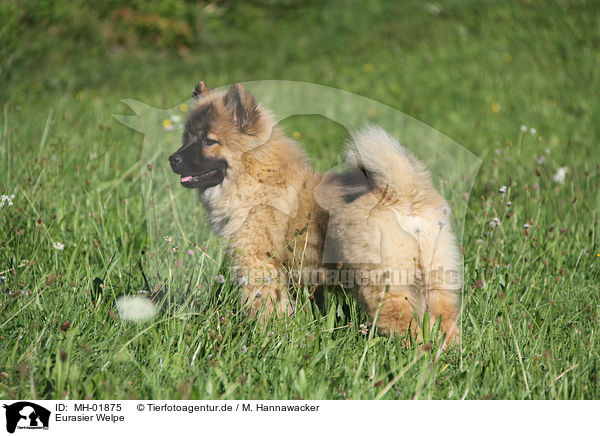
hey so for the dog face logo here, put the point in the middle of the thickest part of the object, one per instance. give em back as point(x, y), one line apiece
point(26, 415)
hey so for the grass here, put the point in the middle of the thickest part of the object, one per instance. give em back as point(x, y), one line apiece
point(476, 71)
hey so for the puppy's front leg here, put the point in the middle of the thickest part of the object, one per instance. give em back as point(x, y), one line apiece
point(255, 249)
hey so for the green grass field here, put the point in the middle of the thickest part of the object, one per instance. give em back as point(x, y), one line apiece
point(474, 70)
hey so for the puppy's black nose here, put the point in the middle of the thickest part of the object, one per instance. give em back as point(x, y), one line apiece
point(175, 160)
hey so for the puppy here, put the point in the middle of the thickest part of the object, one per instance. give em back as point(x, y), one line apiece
point(381, 222)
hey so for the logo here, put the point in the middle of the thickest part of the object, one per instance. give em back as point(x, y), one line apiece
point(26, 415)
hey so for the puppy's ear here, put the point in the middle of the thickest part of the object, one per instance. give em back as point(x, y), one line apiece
point(243, 107)
point(200, 89)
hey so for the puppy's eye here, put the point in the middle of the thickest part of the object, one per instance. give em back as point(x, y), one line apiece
point(208, 141)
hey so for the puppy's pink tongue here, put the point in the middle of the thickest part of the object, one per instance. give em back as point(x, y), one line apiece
point(186, 178)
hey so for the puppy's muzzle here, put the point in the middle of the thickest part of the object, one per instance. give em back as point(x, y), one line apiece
point(175, 159)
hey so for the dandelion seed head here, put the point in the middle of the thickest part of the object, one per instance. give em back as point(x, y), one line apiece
point(442, 223)
point(220, 279)
point(136, 308)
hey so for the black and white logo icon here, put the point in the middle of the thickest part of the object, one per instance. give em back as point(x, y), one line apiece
point(26, 415)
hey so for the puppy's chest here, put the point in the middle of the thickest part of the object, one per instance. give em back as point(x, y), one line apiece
point(233, 208)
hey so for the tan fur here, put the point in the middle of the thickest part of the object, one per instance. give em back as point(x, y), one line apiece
point(270, 209)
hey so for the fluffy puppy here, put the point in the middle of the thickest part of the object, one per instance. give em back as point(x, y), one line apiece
point(381, 222)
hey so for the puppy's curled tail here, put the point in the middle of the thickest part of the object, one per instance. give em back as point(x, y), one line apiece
point(388, 165)
point(405, 187)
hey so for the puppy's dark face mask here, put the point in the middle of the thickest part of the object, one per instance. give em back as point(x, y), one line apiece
point(199, 161)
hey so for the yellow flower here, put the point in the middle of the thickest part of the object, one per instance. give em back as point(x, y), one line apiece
point(183, 108)
point(495, 107)
point(368, 68)
point(168, 125)
point(296, 135)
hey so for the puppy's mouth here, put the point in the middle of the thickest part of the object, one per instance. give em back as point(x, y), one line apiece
point(198, 180)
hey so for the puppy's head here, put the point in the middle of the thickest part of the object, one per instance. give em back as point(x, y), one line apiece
point(221, 127)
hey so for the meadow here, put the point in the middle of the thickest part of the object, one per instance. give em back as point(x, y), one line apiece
point(515, 82)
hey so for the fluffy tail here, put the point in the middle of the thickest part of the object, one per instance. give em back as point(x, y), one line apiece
point(388, 165)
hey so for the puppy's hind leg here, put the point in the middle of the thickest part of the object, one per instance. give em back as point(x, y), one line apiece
point(392, 296)
point(443, 282)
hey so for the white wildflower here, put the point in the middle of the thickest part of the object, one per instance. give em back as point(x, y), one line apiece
point(541, 160)
point(168, 239)
point(547, 150)
point(244, 348)
point(532, 131)
point(175, 118)
point(58, 246)
point(6, 200)
point(523, 128)
point(502, 189)
point(442, 223)
point(136, 309)
point(495, 223)
point(509, 203)
point(446, 210)
point(559, 177)
point(243, 281)
point(526, 226)
point(220, 279)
